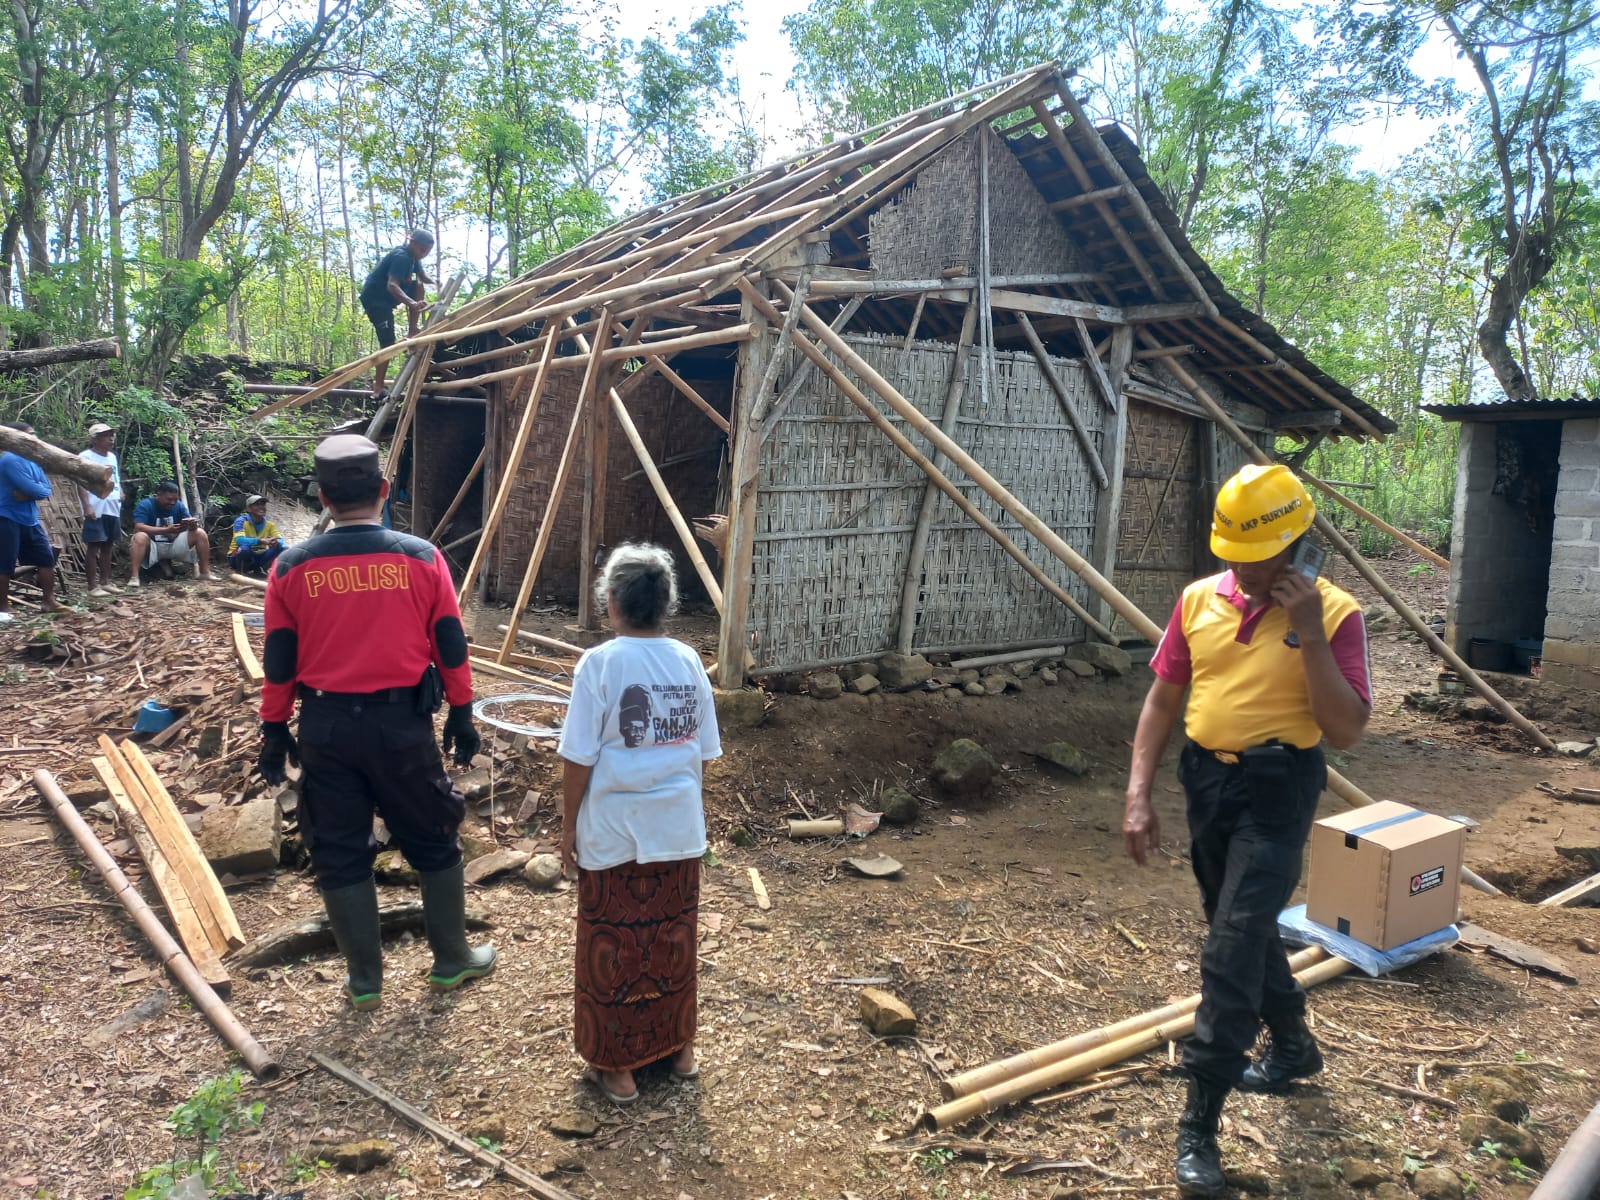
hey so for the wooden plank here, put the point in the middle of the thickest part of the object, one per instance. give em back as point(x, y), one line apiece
point(245, 652)
point(763, 901)
point(180, 847)
point(1584, 892)
point(196, 942)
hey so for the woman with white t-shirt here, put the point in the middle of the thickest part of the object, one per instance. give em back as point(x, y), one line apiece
point(640, 725)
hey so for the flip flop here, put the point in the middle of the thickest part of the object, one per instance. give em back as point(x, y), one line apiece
point(592, 1075)
point(692, 1073)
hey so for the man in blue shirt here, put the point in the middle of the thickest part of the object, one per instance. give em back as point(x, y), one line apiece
point(164, 531)
point(397, 279)
point(22, 537)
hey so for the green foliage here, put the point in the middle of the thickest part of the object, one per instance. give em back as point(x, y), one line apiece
point(216, 1108)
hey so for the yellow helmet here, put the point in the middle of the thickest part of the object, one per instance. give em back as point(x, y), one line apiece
point(1259, 513)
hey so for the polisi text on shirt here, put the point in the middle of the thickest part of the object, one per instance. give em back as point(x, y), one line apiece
point(367, 577)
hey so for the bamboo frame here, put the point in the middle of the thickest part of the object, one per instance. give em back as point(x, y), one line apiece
point(1064, 401)
point(1108, 505)
point(255, 1055)
point(1376, 521)
point(597, 445)
point(245, 652)
point(408, 413)
point(461, 495)
point(688, 392)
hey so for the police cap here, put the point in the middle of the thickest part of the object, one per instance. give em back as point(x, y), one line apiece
point(347, 460)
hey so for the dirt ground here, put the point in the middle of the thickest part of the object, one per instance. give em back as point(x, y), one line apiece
point(1005, 930)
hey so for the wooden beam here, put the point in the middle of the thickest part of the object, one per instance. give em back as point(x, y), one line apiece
point(245, 652)
point(1091, 358)
point(1405, 539)
point(802, 373)
point(1585, 891)
point(592, 521)
point(461, 495)
point(955, 388)
point(690, 394)
point(1064, 401)
point(1095, 197)
point(1113, 439)
point(1162, 352)
point(865, 283)
point(408, 414)
point(502, 495)
point(27, 360)
point(1055, 306)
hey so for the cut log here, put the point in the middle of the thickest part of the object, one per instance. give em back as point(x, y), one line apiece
point(1586, 891)
point(246, 653)
point(190, 931)
point(26, 360)
point(56, 461)
point(314, 936)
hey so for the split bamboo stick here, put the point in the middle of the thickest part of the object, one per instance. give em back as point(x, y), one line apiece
point(999, 1071)
point(689, 393)
point(1064, 401)
point(246, 653)
point(490, 667)
point(248, 580)
point(243, 606)
point(255, 1055)
point(975, 1104)
point(549, 643)
point(1372, 518)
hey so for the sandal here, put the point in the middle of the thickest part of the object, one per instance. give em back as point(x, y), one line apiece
point(692, 1073)
point(592, 1075)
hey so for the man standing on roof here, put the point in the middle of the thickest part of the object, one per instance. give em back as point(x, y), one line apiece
point(1274, 660)
point(397, 279)
point(362, 624)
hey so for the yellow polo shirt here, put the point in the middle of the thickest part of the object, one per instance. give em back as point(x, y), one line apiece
point(1242, 666)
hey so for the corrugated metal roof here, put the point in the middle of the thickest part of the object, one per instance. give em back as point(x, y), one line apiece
point(1506, 406)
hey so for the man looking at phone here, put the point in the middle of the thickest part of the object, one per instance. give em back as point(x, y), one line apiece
point(1274, 659)
point(164, 531)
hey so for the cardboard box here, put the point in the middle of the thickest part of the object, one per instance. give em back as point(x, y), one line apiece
point(1385, 873)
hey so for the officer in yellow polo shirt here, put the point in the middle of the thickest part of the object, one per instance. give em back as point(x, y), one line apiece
point(1274, 660)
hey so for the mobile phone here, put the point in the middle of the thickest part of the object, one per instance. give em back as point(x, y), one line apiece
point(1308, 558)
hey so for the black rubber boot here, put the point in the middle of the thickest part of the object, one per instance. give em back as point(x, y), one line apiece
point(353, 915)
point(444, 917)
point(1291, 1054)
point(1199, 1171)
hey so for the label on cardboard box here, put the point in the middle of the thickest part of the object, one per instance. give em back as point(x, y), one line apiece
point(1386, 873)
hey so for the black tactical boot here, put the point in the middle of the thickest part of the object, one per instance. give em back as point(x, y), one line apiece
point(353, 915)
point(1291, 1054)
point(444, 918)
point(1199, 1171)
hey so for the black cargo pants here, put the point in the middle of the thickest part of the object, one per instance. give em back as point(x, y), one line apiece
point(1246, 851)
point(373, 755)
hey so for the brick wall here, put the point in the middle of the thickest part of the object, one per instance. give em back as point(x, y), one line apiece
point(1572, 630)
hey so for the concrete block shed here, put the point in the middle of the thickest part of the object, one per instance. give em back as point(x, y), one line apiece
point(1525, 544)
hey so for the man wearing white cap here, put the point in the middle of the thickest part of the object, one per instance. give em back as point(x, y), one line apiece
point(102, 517)
point(256, 541)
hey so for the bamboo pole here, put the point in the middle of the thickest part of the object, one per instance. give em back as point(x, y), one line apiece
point(689, 393)
point(557, 486)
point(260, 584)
point(519, 445)
point(245, 652)
point(549, 643)
point(1342, 544)
point(1008, 656)
point(408, 414)
point(1019, 1087)
point(491, 667)
point(1575, 1174)
point(256, 1056)
point(1064, 401)
point(959, 498)
point(461, 495)
point(1372, 518)
point(999, 1071)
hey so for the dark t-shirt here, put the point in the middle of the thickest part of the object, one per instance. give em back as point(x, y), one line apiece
point(396, 265)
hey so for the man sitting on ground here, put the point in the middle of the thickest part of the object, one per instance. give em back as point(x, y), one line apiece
point(22, 537)
point(165, 532)
point(256, 542)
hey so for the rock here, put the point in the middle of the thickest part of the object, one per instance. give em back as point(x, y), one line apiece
point(863, 685)
point(1079, 668)
point(994, 685)
point(476, 847)
point(1521, 1078)
point(850, 672)
point(1491, 1095)
point(970, 675)
point(793, 684)
point(1575, 749)
point(1066, 757)
point(739, 708)
point(1437, 1183)
point(1359, 1173)
point(474, 784)
point(543, 870)
point(210, 743)
point(497, 863)
point(825, 685)
point(952, 693)
point(574, 1124)
point(899, 672)
point(1587, 945)
point(1110, 659)
point(1023, 669)
point(242, 839)
point(391, 867)
point(963, 768)
point(886, 1012)
point(758, 923)
point(1251, 1183)
point(1048, 676)
point(974, 689)
point(1390, 1191)
point(741, 836)
point(357, 1157)
point(1511, 1141)
point(491, 1127)
point(900, 807)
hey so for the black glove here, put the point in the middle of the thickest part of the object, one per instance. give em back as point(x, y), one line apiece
point(458, 732)
point(277, 744)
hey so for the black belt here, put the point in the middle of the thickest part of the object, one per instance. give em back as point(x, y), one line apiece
point(394, 695)
point(1234, 757)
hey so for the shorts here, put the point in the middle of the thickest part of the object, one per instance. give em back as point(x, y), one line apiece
point(25, 545)
point(175, 549)
point(383, 321)
point(102, 529)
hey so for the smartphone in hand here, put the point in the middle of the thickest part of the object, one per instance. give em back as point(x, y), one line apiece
point(1308, 558)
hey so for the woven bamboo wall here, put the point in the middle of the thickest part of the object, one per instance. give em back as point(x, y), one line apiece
point(62, 515)
point(1156, 535)
point(451, 436)
point(683, 443)
point(933, 227)
point(838, 506)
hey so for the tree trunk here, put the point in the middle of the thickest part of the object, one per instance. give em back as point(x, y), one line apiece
point(55, 461)
point(22, 360)
point(1528, 263)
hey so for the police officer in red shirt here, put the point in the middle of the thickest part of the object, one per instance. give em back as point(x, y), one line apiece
point(362, 623)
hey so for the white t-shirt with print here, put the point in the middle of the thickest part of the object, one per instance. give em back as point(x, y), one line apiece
point(643, 717)
point(109, 506)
